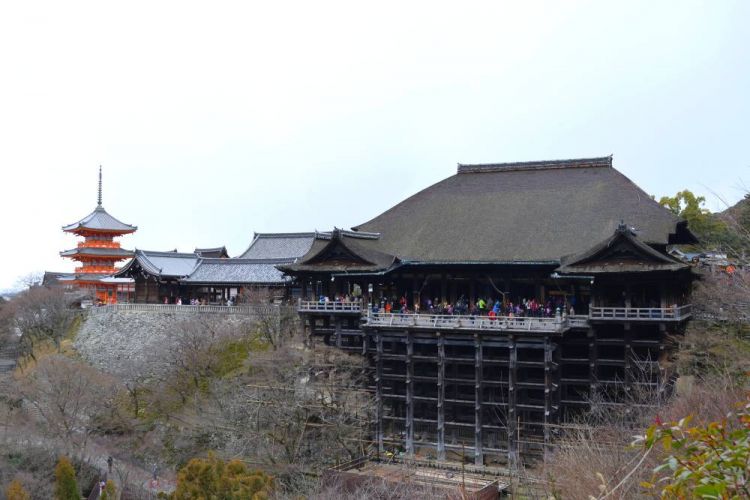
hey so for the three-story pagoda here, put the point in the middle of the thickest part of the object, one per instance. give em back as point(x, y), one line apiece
point(99, 253)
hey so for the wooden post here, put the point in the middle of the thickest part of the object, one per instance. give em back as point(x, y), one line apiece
point(628, 355)
point(409, 445)
point(512, 413)
point(441, 397)
point(337, 329)
point(549, 392)
point(593, 362)
point(478, 383)
point(379, 389)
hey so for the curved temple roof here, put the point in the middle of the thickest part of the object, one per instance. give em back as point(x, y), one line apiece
point(521, 212)
point(100, 221)
point(119, 253)
point(162, 264)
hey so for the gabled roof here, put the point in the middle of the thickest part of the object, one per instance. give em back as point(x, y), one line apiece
point(623, 252)
point(342, 251)
point(217, 252)
point(522, 213)
point(236, 272)
point(160, 264)
point(279, 245)
point(100, 220)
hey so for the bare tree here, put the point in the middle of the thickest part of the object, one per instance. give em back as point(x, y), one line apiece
point(69, 399)
point(296, 410)
point(40, 314)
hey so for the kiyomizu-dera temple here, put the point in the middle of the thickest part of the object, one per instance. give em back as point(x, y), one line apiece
point(98, 255)
point(499, 302)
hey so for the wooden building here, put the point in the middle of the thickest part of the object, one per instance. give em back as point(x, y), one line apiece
point(211, 276)
point(158, 275)
point(500, 302)
point(98, 255)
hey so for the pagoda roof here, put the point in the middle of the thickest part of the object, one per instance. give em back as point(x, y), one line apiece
point(161, 264)
point(100, 221)
point(98, 252)
point(279, 245)
point(530, 212)
point(237, 272)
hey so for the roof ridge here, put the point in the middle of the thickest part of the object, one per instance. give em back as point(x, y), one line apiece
point(240, 260)
point(601, 161)
point(182, 255)
point(285, 235)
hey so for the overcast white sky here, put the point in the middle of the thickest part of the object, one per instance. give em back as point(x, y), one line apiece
point(216, 119)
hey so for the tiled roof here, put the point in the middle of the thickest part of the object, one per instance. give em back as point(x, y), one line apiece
point(237, 271)
point(279, 245)
point(163, 264)
point(103, 252)
point(100, 220)
point(216, 252)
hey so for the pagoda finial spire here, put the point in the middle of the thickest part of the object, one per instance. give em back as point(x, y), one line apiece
point(99, 200)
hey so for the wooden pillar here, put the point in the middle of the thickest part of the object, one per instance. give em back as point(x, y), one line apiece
point(478, 383)
point(443, 288)
point(379, 389)
point(550, 391)
point(512, 396)
point(441, 397)
point(593, 362)
point(409, 445)
point(628, 355)
point(337, 329)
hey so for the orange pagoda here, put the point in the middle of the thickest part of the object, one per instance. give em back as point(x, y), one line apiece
point(98, 253)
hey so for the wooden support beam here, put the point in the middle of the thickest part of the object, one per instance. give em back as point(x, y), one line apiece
point(551, 392)
point(593, 362)
point(478, 379)
point(379, 389)
point(409, 445)
point(628, 355)
point(337, 328)
point(512, 399)
point(441, 397)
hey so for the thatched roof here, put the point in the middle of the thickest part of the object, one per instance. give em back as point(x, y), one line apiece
point(521, 212)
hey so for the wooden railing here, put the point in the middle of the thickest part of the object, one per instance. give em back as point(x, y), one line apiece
point(96, 269)
point(448, 322)
point(174, 309)
point(578, 321)
point(673, 313)
point(98, 244)
point(317, 306)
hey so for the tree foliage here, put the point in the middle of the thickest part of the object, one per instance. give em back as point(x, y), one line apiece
point(707, 461)
point(211, 477)
point(109, 492)
point(690, 207)
point(66, 486)
point(16, 491)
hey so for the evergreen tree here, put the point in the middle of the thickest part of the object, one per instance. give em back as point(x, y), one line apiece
point(16, 491)
point(66, 487)
point(213, 478)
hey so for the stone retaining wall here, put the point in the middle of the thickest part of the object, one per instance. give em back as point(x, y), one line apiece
point(132, 344)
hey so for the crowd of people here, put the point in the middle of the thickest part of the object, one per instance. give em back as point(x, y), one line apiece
point(522, 307)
